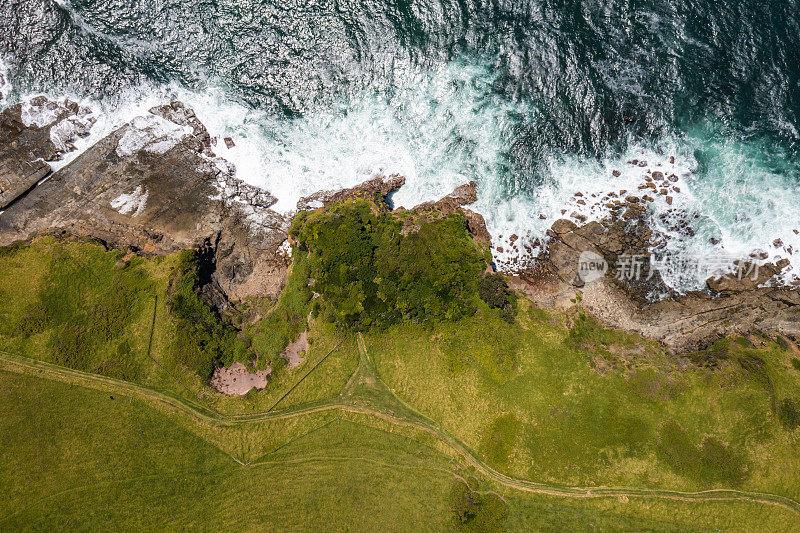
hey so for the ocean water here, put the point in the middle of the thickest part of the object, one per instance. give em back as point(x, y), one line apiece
point(533, 100)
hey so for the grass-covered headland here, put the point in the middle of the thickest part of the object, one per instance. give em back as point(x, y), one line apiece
point(370, 272)
point(430, 394)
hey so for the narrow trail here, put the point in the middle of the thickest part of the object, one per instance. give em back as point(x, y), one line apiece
point(366, 394)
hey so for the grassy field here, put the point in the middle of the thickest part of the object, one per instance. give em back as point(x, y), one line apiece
point(77, 458)
point(584, 406)
point(379, 433)
point(79, 305)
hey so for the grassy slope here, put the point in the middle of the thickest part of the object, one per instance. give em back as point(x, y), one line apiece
point(540, 409)
point(49, 273)
point(75, 458)
point(536, 400)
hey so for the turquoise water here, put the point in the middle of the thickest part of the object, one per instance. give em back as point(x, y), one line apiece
point(533, 100)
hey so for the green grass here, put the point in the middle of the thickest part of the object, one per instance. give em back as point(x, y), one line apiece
point(76, 458)
point(589, 406)
point(79, 305)
point(539, 396)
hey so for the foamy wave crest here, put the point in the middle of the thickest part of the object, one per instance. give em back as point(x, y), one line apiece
point(718, 194)
point(714, 198)
point(439, 129)
point(5, 82)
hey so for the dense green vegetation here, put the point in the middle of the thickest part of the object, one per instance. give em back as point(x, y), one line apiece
point(371, 273)
point(202, 339)
point(493, 289)
point(285, 319)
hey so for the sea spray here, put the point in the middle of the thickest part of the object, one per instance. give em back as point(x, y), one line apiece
point(445, 126)
point(5, 82)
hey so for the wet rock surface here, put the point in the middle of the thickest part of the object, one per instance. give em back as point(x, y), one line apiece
point(31, 134)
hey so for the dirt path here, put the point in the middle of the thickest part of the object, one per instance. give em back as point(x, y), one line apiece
point(367, 394)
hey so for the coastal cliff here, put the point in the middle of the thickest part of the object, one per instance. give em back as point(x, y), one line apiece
point(154, 187)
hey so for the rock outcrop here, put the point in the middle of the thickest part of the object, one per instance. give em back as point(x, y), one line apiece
point(462, 195)
point(379, 185)
point(153, 186)
point(730, 306)
point(455, 201)
point(31, 134)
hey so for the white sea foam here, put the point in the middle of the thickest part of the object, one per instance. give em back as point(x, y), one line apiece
point(440, 130)
point(5, 82)
point(40, 115)
point(443, 128)
point(152, 134)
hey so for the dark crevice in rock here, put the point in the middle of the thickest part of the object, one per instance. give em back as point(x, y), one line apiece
point(21, 196)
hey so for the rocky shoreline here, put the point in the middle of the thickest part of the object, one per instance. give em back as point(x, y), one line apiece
point(154, 186)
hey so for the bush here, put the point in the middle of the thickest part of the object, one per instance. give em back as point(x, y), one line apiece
point(711, 356)
point(368, 272)
point(789, 413)
point(796, 363)
point(493, 289)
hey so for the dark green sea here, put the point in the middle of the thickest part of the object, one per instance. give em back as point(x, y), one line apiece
point(534, 100)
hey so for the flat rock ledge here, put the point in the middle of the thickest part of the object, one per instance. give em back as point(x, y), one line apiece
point(152, 186)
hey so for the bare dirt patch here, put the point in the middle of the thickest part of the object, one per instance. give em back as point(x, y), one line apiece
point(295, 350)
point(236, 380)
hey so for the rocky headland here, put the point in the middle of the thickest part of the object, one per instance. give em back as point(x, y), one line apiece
point(154, 186)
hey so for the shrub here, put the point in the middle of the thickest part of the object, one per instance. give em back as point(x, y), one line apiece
point(493, 289)
point(796, 363)
point(711, 356)
point(202, 339)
